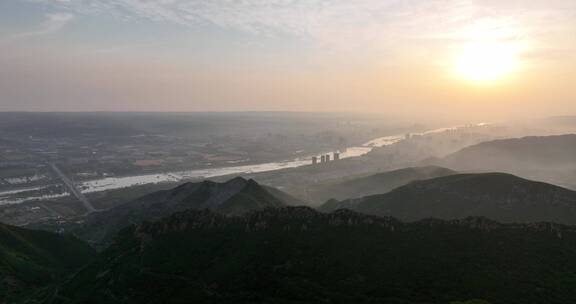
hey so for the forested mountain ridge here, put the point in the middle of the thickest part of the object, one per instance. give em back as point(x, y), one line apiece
point(234, 197)
point(374, 184)
point(498, 196)
point(547, 158)
point(299, 255)
point(32, 259)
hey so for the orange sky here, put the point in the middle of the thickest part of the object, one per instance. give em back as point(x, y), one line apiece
point(398, 57)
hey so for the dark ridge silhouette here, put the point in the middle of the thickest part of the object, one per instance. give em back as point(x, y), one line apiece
point(299, 255)
point(31, 259)
point(547, 158)
point(374, 184)
point(234, 197)
point(498, 196)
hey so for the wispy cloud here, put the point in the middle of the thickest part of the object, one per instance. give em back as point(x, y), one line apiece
point(262, 16)
point(291, 15)
point(53, 23)
point(326, 21)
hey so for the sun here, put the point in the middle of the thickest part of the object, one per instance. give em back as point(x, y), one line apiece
point(487, 61)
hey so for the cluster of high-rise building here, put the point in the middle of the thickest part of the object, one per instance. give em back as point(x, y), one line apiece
point(324, 158)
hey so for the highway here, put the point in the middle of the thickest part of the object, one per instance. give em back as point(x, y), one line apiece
point(73, 189)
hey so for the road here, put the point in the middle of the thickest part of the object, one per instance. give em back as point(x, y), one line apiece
point(73, 189)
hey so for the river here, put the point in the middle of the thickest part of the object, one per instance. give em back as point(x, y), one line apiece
point(112, 183)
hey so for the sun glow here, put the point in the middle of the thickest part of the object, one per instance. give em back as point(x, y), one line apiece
point(492, 50)
point(487, 61)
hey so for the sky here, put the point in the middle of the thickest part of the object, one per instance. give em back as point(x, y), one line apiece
point(483, 58)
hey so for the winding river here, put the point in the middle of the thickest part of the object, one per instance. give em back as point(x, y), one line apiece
point(112, 183)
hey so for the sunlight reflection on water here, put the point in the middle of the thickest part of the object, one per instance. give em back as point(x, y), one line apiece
point(112, 183)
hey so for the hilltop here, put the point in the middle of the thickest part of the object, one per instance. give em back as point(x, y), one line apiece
point(547, 158)
point(299, 255)
point(374, 184)
point(234, 197)
point(498, 196)
point(32, 259)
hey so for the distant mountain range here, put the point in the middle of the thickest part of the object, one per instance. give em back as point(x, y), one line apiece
point(30, 259)
point(498, 196)
point(234, 197)
point(374, 184)
point(547, 158)
point(299, 255)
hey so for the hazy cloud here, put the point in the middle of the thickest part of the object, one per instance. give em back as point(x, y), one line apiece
point(53, 22)
point(299, 16)
point(343, 23)
point(347, 54)
point(303, 17)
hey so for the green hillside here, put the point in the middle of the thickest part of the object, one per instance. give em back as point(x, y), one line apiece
point(373, 184)
point(31, 259)
point(233, 197)
point(498, 196)
point(298, 255)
